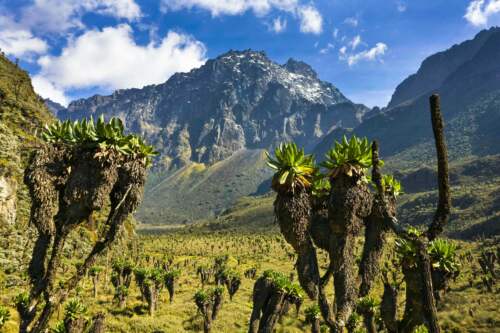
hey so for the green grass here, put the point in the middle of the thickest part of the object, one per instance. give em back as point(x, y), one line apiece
point(464, 309)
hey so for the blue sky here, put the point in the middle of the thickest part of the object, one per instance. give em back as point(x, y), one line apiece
point(76, 49)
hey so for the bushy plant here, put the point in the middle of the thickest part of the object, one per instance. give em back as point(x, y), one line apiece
point(293, 167)
point(349, 157)
point(391, 185)
point(99, 134)
point(74, 309)
point(443, 255)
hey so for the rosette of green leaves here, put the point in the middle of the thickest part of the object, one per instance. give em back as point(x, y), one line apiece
point(293, 167)
point(99, 134)
point(443, 255)
point(349, 157)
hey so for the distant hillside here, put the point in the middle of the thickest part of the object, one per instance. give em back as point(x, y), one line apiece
point(239, 100)
point(475, 200)
point(470, 96)
point(436, 68)
point(198, 191)
point(22, 113)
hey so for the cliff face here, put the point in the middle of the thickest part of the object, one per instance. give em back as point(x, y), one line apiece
point(240, 100)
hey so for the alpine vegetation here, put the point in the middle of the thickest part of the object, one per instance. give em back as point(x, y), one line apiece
point(81, 168)
point(331, 215)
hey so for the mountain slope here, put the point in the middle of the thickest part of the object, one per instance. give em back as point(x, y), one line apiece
point(22, 112)
point(470, 97)
point(436, 68)
point(198, 191)
point(240, 100)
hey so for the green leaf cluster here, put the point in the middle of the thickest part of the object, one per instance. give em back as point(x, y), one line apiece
point(74, 309)
point(391, 185)
point(443, 254)
point(312, 313)
point(349, 157)
point(99, 134)
point(203, 296)
point(293, 167)
point(283, 283)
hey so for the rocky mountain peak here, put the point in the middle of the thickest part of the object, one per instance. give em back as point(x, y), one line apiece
point(238, 100)
point(300, 67)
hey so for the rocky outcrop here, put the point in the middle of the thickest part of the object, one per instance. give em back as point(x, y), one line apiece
point(238, 100)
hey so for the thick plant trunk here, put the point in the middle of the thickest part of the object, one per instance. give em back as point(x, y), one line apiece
point(389, 307)
point(293, 212)
point(260, 296)
point(375, 234)
point(272, 312)
point(97, 324)
point(350, 202)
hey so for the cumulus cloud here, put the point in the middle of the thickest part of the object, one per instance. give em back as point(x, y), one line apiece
point(479, 12)
point(310, 19)
point(57, 16)
point(47, 89)
point(19, 42)
point(110, 59)
point(375, 53)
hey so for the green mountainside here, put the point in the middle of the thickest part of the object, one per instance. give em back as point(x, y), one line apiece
point(197, 191)
point(475, 199)
point(22, 113)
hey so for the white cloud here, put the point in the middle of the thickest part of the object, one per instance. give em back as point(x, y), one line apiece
point(343, 50)
point(278, 25)
point(230, 7)
point(368, 55)
point(352, 21)
point(47, 89)
point(19, 42)
point(110, 59)
point(57, 16)
point(479, 11)
point(356, 41)
point(311, 20)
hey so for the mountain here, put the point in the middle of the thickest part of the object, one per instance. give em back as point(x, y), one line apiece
point(22, 113)
point(197, 191)
point(467, 77)
point(438, 67)
point(240, 100)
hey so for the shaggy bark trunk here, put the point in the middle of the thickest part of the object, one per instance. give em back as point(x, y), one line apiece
point(389, 307)
point(375, 234)
point(97, 324)
point(293, 212)
point(350, 202)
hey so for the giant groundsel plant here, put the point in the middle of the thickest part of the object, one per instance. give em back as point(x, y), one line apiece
point(330, 210)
